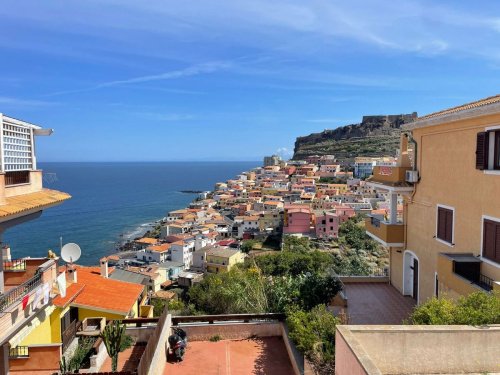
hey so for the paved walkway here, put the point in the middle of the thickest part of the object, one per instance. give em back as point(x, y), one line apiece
point(377, 303)
point(266, 355)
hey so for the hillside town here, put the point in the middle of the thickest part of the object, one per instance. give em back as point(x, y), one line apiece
point(363, 268)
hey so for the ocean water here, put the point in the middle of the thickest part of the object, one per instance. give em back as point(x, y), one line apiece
point(112, 202)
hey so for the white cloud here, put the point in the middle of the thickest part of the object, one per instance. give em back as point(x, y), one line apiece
point(17, 102)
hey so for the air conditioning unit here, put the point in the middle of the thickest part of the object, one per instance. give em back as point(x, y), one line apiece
point(411, 176)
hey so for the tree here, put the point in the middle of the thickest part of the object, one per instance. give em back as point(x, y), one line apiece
point(318, 289)
point(248, 245)
point(477, 308)
point(112, 336)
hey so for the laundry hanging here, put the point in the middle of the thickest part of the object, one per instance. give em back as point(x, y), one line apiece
point(46, 293)
point(26, 299)
point(38, 297)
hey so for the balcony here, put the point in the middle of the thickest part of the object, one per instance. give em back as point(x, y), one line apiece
point(17, 293)
point(461, 273)
point(384, 232)
point(391, 178)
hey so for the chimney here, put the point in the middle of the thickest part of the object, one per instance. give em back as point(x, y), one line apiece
point(72, 274)
point(104, 267)
point(6, 253)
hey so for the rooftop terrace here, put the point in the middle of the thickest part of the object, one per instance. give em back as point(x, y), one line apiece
point(263, 355)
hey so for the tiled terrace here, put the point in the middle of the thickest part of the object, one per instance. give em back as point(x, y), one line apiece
point(376, 303)
point(265, 355)
point(128, 360)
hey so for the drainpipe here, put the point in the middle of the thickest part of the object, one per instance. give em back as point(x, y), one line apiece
point(414, 168)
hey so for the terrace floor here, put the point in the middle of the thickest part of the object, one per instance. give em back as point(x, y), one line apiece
point(128, 360)
point(266, 355)
point(376, 303)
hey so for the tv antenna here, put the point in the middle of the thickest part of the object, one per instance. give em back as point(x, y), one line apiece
point(71, 252)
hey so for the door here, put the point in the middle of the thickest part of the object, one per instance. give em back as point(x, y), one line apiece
point(415, 279)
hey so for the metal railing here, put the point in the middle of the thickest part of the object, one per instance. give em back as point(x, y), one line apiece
point(485, 282)
point(19, 352)
point(227, 317)
point(14, 265)
point(69, 334)
point(19, 291)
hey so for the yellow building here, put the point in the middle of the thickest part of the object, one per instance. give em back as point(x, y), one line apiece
point(221, 259)
point(449, 175)
point(90, 294)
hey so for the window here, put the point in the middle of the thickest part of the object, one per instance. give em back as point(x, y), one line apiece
point(488, 150)
point(445, 225)
point(491, 240)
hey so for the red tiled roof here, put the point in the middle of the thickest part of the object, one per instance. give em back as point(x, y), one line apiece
point(101, 293)
point(72, 291)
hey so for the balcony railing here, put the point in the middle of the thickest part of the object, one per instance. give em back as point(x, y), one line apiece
point(17, 178)
point(15, 265)
point(485, 282)
point(19, 352)
point(14, 295)
point(69, 334)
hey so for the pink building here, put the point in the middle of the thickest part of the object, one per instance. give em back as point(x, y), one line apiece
point(298, 219)
point(327, 223)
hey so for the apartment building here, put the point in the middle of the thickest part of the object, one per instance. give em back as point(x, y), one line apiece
point(25, 284)
point(448, 173)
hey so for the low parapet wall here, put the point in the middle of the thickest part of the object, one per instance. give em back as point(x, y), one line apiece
point(231, 331)
point(417, 349)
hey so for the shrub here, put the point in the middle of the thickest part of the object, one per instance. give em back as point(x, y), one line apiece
point(313, 332)
point(477, 308)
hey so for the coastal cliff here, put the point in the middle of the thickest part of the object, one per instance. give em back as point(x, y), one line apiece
point(373, 136)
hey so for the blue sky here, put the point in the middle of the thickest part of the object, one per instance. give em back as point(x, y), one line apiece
point(233, 79)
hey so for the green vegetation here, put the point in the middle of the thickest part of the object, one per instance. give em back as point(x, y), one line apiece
point(126, 342)
point(248, 245)
point(80, 358)
point(314, 335)
point(112, 336)
point(297, 281)
point(333, 180)
point(475, 309)
point(358, 254)
point(215, 338)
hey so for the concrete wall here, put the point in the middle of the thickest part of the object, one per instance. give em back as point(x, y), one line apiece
point(446, 163)
point(203, 332)
point(346, 362)
point(140, 334)
point(418, 349)
point(40, 358)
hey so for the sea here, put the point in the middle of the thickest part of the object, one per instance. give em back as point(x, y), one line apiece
point(112, 203)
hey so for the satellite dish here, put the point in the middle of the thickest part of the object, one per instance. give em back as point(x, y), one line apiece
point(71, 252)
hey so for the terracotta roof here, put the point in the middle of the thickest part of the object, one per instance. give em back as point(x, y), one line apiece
point(72, 291)
point(27, 202)
point(105, 294)
point(149, 240)
point(463, 107)
point(159, 248)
